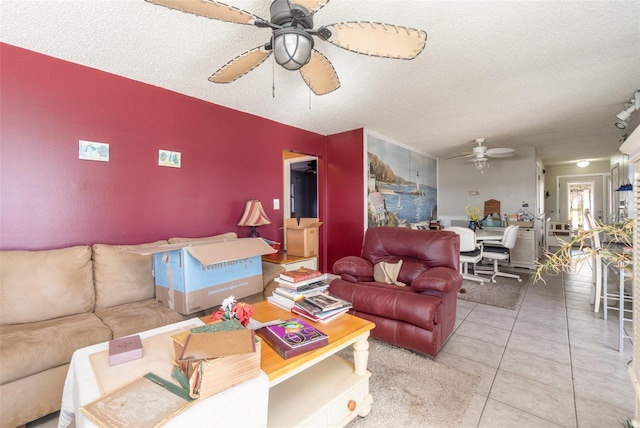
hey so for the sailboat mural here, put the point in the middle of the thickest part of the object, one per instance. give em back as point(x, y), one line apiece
point(401, 190)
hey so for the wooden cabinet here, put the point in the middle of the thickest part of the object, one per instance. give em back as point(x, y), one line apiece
point(328, 394)
point(558, 229)
point(291, 262)
point(318, 388)
point(525, 252)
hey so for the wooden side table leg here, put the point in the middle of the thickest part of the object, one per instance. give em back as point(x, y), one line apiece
point(360, 358)
point(361, 355)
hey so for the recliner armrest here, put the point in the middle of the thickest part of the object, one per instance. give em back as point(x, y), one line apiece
point(442, 279)
point(354, 269)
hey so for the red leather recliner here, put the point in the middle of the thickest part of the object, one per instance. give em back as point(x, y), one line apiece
point(419, 316)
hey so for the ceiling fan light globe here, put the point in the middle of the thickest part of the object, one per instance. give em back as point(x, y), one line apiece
point(480, 162)
point(292, 48)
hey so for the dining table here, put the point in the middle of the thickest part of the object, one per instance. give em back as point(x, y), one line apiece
point(488, 235)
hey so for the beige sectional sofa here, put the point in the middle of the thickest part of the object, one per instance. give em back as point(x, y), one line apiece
point(53, 302)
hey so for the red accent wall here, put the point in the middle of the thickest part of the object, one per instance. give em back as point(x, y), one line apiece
point(50, 199)
point(345, 195)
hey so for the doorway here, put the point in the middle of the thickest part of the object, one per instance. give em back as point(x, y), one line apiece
point(300, 193)
point(303, 185)
point(580, 199)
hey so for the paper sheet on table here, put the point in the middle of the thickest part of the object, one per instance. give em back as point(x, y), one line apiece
point(157, 355)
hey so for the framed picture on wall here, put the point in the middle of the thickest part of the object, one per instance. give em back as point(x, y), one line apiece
point(401, 184)
point(615, 177)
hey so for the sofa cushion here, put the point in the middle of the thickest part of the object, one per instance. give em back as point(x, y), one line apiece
point(227, 236)
point(122, 277)
point(59, 283)
point(389, 301)
point(26, 349)
point(130, 318)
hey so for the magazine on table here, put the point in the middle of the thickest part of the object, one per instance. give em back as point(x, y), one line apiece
point(322, 317)
point(325, 301)
point(307, 307)
point(293, 337)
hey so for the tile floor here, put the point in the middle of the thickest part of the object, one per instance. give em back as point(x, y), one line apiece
point(552, 362)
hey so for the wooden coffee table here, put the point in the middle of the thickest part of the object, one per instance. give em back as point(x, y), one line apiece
point(318, 388)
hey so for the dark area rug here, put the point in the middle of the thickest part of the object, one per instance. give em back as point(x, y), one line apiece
point(504, 293)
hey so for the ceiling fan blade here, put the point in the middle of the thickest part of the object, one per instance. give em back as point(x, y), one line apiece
point(500, 152)
point(311, 5)
point(375, 39)
point(240, 65)
point(499, 155)
point(210, 9)
point(462, 155)
point(320, 75)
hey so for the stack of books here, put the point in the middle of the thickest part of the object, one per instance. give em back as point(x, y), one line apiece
point(320, 307)
point(293, 288)
point(293, 337)
point(286, 298)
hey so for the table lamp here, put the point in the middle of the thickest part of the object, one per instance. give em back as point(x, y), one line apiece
point(253, 216)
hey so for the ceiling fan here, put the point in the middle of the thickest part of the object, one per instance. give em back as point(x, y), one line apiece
point(292, 41)
point(480, 154)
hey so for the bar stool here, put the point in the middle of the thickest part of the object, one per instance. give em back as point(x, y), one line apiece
point(598, 265)
point(621, 297)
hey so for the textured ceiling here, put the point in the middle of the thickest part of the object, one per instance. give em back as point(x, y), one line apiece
point(549, 74)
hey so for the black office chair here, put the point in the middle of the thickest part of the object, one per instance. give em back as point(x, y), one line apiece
point(501, 251)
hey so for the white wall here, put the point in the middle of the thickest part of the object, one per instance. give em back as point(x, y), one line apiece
point(511, 181)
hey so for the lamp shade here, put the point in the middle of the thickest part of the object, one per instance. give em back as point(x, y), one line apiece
point(254, 214)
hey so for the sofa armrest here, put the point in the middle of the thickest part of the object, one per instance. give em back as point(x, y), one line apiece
point(441, 279)
point(354, 269)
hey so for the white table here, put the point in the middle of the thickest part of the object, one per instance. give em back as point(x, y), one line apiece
point(244, 405)
point(483, 235)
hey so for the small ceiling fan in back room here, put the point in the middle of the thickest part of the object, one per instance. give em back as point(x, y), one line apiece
point(480, 154)
point(292, 41)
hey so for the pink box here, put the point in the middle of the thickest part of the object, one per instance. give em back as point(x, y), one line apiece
point(124, 349)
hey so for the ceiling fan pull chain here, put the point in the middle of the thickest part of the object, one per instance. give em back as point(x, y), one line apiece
point(273, 78)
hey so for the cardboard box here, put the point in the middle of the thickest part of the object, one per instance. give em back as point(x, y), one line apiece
point(302, 238)
point(194, 276)
point(208, 376)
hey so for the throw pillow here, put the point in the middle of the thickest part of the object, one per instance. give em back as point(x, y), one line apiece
point(388, 273)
